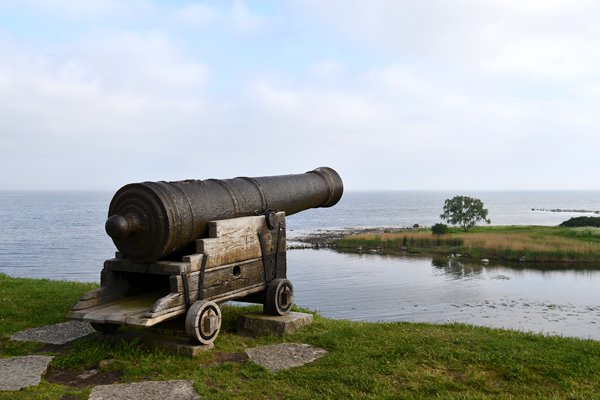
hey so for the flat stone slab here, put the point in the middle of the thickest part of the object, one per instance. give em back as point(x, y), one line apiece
point(62, 333)
point(20, 372)
point(151, 390)
point(155, 341)
point(257, 324)
point(285, 355)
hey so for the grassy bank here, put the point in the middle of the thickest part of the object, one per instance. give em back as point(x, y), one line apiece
point(512, 243)
point(365, 360)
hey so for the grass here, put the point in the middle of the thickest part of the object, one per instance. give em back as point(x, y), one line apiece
point(512, 243)
point(365, 360)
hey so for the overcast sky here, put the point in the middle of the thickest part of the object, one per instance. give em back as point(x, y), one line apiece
point(462, 94)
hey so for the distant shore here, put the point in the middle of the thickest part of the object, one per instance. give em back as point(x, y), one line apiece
point(536, 244)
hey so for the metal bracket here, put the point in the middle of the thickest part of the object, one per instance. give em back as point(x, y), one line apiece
point(201, 277)
point(276, 272)
point(186, 289)
point(263, 252)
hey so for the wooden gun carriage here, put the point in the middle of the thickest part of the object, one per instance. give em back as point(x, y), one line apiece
point(186, 247)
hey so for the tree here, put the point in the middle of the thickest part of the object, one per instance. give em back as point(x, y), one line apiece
point(464, 211)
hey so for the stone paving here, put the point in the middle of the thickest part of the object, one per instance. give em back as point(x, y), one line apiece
point(55, 334)
point(285, 355)
point(151, 390)
point(19, 372)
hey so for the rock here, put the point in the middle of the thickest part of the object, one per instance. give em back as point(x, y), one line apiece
point(485, 261)
point(87, 374)
point(151, 390)
point(106, 363)
point(522, 259)
point(285, 355)
point(20, 372)
point(55, 334)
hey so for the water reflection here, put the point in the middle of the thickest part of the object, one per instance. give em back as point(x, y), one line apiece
point(454, 268)
point(371, 287)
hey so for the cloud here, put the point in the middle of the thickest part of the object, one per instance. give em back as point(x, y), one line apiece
point(246, 20)
point(199, 16)
point(72, 10)
point(534, 38)
point(126, 60)
point(405, 95)
point(110, 101)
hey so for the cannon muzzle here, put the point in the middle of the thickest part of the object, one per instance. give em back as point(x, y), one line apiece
point(148, 221)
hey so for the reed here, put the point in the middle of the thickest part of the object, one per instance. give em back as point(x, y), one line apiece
point(404, 241)
point(510, 243)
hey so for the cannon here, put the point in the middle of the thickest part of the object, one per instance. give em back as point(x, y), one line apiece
point(185, 247)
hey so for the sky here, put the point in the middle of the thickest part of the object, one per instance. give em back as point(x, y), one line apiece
point(393, 94)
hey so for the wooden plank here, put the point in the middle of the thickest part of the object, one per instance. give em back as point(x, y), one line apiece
point(138, 320)
point(175, 282)
point(194, 261)
point(222, 279)
point(233, 277)
point(100, 292)
point(83, 304)
point(122, 264)
point(124, 318)
point(159, 267)
point(237, 239)
point(117, 311)
point(238, 294)
point(227, 250)
point(172, 300)
point(112, 314)
point(181, 309)
point(168, 267)
point(77, 314)
point(235, 226)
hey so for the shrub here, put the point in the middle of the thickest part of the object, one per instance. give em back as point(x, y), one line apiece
point(581, 221)
point(439, 229)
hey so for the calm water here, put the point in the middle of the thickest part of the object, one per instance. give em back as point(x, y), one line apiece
point(372, 287)
point(61, 236)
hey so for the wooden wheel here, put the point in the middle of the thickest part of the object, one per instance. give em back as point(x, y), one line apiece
point(203, 321)
point(105, 328)
point(280, 297)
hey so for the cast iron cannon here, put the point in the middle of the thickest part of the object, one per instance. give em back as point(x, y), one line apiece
point(187, 246)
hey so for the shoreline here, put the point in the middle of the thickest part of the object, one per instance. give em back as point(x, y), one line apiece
point(530, 244)
point(327, 238)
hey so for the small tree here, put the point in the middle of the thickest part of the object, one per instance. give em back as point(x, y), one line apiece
point(439, 229)
point(464, 211)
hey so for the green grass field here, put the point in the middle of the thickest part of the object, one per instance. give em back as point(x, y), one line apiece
point(511, 243)
point(365, 360)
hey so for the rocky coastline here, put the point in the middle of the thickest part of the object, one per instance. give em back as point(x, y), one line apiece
point(327, 238)
point(566, 210)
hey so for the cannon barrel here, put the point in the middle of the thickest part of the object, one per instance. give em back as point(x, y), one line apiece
point(147, 221)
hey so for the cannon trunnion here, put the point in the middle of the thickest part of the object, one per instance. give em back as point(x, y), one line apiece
point(240, 258)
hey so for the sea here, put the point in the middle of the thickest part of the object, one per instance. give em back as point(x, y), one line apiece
point(60, 235)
